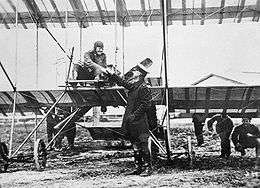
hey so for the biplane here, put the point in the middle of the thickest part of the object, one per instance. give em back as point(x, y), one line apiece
point(185, 101)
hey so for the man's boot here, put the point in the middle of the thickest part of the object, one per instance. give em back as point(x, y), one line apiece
point(147, 167)
point(138, 164)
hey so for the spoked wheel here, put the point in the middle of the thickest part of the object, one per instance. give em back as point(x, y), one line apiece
point(40, 154)
point(4, 160)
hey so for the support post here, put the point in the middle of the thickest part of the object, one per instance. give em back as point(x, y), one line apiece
point(12, 126)
point(116, 48)
point(123, 46)
point(37, 55)
point(35, 134)
point(165, 53)
point(80, 40)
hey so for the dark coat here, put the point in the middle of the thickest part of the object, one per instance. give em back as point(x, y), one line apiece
point(86, 72)
point(93, 56)
point(138, 102)
point(224, 124)
point(239, 134)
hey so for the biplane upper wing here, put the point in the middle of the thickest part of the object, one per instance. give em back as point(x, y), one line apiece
point(52, 12)
point(236, 100)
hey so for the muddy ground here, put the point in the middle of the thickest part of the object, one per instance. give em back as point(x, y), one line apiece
point(104, 164)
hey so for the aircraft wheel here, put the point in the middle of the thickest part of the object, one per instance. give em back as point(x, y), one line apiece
point(40, 154)
point(3, 157)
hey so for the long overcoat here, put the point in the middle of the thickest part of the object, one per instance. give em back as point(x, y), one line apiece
point(138, 102)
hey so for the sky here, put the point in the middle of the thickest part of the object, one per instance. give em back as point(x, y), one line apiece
point(194, 51)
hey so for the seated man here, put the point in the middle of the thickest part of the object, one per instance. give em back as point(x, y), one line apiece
point(245, 135)
point(224, 128)
point(89, 69)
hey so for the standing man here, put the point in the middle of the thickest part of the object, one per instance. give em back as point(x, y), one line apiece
point(135, 122)
point(245, 136)
point(224, 128)
point(199, 121)
point(51, 121)
point(89, 68)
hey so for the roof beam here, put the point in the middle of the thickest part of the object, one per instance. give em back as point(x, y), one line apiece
point(256, 12)
point(177, 15)
point(143, 11)
point(222, 5)
point(35, 13)
point(184, 14)
point(8, 14)
point(31, 101)
point(79, 13)
point(12, 101)
point(122, 13)
point(19, 15)
point(107, 15)
point(203, 12)
point(4, 21)
point(169, 12)
point(2, 109)
point(100, 12)
point(54, 6)
point(241, 10)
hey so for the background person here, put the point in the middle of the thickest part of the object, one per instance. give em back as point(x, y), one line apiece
point(224, 128)
point(245, 135)
point(199, 122)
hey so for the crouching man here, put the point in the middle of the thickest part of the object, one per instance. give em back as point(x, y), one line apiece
point(245, 136)
point(135, 122)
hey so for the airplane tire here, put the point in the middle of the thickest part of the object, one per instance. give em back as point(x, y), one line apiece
point(40, 154)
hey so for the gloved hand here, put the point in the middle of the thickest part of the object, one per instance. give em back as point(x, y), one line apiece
point(130, 118)
point(238, 147)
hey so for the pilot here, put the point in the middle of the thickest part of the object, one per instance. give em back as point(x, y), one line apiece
point(245, 135)
point(224, 128)
point(87, 70)
point(135, 123)
point(90, 68)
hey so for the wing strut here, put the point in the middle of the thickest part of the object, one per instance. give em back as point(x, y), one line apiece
point(49, 111)
point(36, 127)
point(165, 53)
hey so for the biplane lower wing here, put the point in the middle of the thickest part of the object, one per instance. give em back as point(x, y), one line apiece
point(236, 100)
